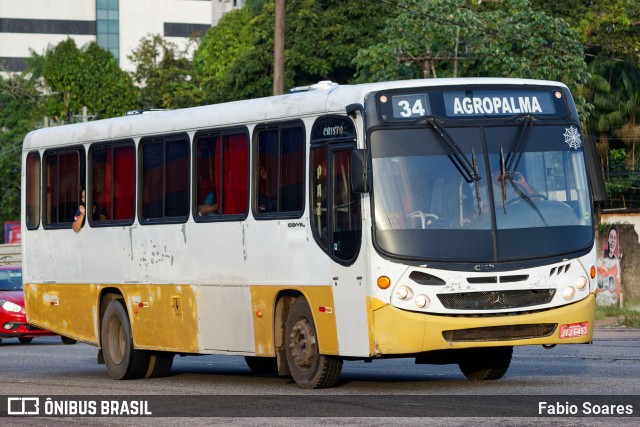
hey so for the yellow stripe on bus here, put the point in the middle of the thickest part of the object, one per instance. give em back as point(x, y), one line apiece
point(162, 317)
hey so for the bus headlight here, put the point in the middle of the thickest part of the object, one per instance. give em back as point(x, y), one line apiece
point(404, 292)
point(581, 282)
point(569, 292)
point(422, 301)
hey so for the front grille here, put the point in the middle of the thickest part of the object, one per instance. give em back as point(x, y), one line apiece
point(479, 280)
point(495, 300)
point(515, 278)
point(501, 333)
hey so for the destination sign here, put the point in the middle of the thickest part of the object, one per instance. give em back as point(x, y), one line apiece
point(471, 103)
point(498, 103)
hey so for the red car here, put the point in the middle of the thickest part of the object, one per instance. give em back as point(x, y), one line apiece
point(13, 318)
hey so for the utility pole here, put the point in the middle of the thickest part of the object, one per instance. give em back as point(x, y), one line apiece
point(278, 49)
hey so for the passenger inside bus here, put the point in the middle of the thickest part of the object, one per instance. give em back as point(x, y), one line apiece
point(209, 206)
point(98, 213)
point(266, 203)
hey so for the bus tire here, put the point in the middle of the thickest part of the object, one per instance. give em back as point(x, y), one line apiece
point(160, 363)
point(490, 363)
point(309, 368)
point(122, 360)
point(25, 340)
point(67, 340)
point(262, 365)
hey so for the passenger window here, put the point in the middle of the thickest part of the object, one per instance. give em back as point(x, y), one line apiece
point(32, 207)
point(64, 175)
point(165, 179)
point(112, 183)
point(222, 171)
point(279, 176)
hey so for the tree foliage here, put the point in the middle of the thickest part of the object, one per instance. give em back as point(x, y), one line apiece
point(17, 98)
point(235, 59)
point(432, 38)
point(165, 74)
point(608, 28)
point(73, 78)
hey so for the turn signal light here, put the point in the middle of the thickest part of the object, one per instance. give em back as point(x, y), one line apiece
point(592, 272)
point(384, 282)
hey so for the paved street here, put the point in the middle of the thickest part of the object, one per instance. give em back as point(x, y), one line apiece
point(610, 366)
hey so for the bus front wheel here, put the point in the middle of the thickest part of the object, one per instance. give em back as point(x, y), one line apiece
point(308, 367)
point(489, 363)
point(122, 360)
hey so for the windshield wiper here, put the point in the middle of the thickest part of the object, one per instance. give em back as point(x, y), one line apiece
point(508, 170)
point(521, 145)
point(468, 169)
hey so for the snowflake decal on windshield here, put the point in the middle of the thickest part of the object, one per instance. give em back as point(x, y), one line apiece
point(572, 137)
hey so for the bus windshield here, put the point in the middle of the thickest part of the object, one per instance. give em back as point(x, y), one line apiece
point(428, 207)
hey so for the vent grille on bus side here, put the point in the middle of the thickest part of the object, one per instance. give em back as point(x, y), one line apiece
point(501, 333)
point(494, 300)
point(560, 269)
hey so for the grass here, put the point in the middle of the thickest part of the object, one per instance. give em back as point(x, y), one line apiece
point(624, 316)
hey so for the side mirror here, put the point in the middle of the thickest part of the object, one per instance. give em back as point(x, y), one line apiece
point(360, 174)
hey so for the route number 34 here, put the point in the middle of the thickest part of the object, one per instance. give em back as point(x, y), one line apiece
point(408, 111)
point(410, 106)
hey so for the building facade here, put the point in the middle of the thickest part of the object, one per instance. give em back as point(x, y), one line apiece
point(116, 25)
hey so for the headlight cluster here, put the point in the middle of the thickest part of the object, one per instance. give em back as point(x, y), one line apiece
point(10, 306)
point(405, 293)
point(570, 291)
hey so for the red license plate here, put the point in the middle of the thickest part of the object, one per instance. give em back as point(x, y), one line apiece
point(574, 330)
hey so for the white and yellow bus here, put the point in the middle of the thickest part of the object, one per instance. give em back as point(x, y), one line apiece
point(446, 220)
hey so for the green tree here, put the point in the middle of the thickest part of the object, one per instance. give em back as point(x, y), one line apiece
point(608, 28)
point(235, 59)
point(165, 74)
point(443, 38)
point(74, 78)
point(18, 96)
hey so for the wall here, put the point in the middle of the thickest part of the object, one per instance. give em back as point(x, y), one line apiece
point(628, 226)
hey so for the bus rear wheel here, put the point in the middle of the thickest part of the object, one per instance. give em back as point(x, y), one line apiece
point(308, 367)
point(490, 363)
point(122, 360)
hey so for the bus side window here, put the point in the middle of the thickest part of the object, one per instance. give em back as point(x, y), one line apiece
point(64, 178)
point(279, 176)
point(32, 208)
point(112, 182)
point(165, 179)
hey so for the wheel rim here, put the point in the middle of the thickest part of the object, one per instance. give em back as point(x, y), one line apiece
point(303, 344)
point(116, 341)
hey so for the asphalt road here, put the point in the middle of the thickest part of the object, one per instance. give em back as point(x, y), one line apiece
point(610, 366)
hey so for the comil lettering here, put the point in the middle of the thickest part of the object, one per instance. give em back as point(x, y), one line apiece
point(496, 105)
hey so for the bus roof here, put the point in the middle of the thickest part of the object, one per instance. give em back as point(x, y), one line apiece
point(333, 99)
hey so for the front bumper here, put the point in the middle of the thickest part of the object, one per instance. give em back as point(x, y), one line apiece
point(399, 332)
